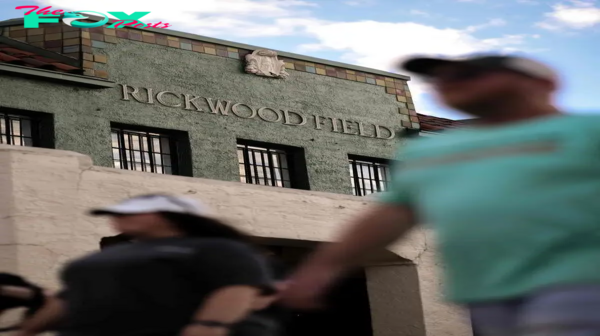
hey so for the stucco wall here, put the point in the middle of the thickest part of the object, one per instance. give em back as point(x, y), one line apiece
point(43, 222)
point(83, 116)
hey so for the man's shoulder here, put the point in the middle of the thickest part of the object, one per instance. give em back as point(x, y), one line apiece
point(584, 121)
point(585, 116)
point(579, 127)
point(416, 147)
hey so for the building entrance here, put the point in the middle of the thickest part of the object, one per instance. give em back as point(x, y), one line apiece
point(347, 309)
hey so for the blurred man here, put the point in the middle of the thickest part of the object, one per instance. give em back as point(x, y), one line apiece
point(514, 200)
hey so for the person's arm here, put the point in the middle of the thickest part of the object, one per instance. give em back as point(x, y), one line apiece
point(226, 306)
point(16, 292)
point(236, 276)
point(377, 228)
point(264, 301)
point(45, 319)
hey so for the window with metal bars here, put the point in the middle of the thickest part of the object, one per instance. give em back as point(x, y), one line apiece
point(368, 175)
point(18, 130)
point(154, 151)
point(271, 165)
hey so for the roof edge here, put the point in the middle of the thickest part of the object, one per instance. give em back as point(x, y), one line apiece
point(435, 125)
point(19, 21)
point(18, 70)
point(39, 51)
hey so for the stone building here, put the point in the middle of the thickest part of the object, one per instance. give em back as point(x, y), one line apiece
point(284, 146)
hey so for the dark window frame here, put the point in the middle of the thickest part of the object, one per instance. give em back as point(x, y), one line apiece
point(295, 159)
point(179, 147)
point(42, 126)
point(359, 189)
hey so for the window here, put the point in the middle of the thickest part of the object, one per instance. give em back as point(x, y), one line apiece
point(272, 165)
point(150, 150)
point(368, 175)
point(23, 128)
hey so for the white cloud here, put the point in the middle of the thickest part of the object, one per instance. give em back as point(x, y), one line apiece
point(378, 44)
point(574, 14)
point(491, 23)
point(381, 45)
point(358, 3)
point(417, 12)
point(373, 44)
point(243, 18)
point(529, 2)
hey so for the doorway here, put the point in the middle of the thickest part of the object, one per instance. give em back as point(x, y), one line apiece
point(347, 312)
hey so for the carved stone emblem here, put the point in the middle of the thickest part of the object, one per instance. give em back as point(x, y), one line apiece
point(265, 63)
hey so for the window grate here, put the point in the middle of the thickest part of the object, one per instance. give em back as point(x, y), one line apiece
point(143, 151)
point(264, 166)
point(16, 130)
point(368, 177)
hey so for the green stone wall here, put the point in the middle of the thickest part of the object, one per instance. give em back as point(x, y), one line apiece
point(83, 115)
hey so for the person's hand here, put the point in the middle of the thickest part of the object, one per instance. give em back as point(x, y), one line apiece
point(263, 302)
point(199, 330)
point(306, 287)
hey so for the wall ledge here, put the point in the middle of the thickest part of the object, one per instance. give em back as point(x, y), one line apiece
point(85, 184)
point(22, 71)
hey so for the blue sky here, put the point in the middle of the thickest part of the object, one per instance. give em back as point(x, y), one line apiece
point(376, 33)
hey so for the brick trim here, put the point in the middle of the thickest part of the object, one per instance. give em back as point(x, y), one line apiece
point(87, 45)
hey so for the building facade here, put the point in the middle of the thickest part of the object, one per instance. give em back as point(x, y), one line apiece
point(284, 146)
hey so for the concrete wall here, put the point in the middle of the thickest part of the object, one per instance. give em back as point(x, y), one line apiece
point(43, 225)
point(83, 116)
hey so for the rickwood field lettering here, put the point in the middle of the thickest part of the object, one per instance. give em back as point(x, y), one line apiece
point(225, 108)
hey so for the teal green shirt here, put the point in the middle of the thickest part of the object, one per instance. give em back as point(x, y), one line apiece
point(516, 208)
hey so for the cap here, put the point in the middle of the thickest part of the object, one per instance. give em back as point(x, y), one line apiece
point(526, 66)
point(155, 203)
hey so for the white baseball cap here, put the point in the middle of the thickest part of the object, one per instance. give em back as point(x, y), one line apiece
point(155, 203)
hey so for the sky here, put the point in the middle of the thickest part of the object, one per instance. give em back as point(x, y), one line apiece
point(378, 33)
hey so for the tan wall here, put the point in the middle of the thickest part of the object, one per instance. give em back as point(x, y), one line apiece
point(45, 194)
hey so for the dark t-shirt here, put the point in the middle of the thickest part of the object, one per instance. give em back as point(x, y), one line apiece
point(270, 321)
point(276, 311)
point(153, 287)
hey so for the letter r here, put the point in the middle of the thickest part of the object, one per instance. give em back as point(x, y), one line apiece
point(33, 20)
